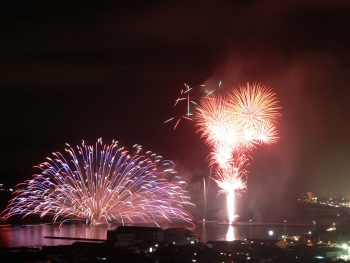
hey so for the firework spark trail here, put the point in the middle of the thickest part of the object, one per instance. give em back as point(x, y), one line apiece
point(101, 184)
point(190, 100)
point(232, 125)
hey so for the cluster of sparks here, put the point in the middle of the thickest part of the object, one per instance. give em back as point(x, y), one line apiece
point(103, 184)
point(185, 96)
point(232, 125)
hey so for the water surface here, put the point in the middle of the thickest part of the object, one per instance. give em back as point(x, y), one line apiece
point(34, 235)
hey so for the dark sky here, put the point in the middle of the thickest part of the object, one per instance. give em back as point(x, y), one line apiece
point(73, 70)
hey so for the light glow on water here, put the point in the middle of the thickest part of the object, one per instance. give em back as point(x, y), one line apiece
point(34, 236)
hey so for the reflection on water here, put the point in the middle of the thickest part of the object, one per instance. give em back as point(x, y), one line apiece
point(220, 232)
point(203, 236)
point(33, 236)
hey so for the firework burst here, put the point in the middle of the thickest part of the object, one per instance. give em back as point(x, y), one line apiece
point(232, 125)
point(241, 119)
point(256, 111)
point(102, 184)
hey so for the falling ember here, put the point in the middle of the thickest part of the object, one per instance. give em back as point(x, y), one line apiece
point(102, 184)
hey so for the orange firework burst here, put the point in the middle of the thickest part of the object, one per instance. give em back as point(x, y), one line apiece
point(233, 125)
point(214, 121)
point(253, 105)
point(242, 119)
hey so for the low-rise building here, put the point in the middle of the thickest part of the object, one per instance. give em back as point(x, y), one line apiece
point(132, 233)
point(180, 236)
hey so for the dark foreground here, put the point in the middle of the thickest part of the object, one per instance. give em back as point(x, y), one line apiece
point(212, 252)
point(153, 244)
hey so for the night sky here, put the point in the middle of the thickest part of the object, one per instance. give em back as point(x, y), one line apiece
point(74, 70)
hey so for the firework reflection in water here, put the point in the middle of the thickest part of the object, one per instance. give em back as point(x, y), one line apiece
point(103, 184)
